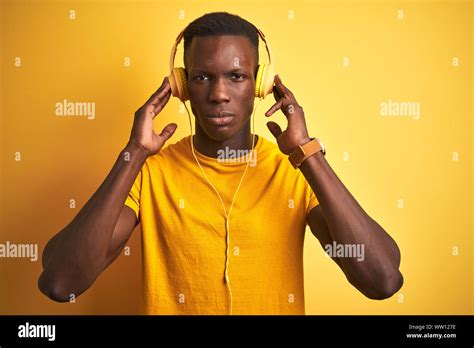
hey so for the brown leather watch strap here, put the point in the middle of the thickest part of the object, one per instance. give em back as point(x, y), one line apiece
point(302, 152)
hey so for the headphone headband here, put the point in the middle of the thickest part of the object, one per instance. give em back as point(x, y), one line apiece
point(180, 37)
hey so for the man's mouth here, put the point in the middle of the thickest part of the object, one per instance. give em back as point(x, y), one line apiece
point(220, 118)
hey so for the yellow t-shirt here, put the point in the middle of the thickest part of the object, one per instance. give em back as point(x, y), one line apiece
point(184, 235)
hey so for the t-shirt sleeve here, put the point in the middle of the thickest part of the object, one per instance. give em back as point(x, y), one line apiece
point(133, 198)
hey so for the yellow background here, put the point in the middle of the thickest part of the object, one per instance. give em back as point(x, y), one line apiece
point(389, 158)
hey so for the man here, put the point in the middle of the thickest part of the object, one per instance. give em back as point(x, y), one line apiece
point(195, 260)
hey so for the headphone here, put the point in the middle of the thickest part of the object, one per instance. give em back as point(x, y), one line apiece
point(263, 80)
point(263, 87)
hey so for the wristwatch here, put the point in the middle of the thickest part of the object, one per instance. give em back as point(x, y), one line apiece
point(302, 152)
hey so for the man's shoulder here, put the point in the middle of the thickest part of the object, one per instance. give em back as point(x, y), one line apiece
point(270, 151)
point(170, 151)
point(179, 146)
point(270, 146)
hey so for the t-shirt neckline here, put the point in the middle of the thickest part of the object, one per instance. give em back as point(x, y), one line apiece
point(237, 161)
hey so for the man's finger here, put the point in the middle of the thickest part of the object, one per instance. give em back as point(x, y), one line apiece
point(285, 91)
point(274, 129)
point(276, 92)
point(157, 108)
point(163, 87)
point(156, 100)
point(165, 134)
point(274, 108)
point(168, 131)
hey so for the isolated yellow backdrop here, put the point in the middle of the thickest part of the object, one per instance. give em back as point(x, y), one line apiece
point(341, 59)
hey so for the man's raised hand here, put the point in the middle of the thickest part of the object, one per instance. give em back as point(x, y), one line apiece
point(142, 134)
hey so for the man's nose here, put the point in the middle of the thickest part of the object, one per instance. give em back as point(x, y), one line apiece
point(219, 91)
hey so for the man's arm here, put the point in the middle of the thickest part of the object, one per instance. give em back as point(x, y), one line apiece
point(78, 254)
point(377, 276)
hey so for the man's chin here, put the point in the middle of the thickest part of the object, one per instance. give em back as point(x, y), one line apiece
point(219, 132)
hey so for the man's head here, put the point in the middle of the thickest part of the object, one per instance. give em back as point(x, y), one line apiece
point(221, 61)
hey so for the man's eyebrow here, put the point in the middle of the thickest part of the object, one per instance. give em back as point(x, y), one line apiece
point(201, 70)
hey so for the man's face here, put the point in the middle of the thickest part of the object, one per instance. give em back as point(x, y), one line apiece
point(221, 79)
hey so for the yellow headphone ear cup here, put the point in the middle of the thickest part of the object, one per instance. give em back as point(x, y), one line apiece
point(264, 80)
point(178, 83)
point(258, 80)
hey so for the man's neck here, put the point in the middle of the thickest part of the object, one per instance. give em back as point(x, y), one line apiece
point(210, 147)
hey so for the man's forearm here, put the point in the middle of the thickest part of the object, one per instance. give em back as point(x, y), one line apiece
point(349, 224)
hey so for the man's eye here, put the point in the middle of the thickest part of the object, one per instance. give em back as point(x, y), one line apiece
point(200, 77)
point(236, 76)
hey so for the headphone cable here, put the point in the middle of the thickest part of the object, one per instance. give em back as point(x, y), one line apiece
point(227, 216)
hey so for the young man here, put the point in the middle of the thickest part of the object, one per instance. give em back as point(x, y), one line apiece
point(195, 260)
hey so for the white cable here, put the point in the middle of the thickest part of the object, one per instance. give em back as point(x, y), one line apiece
point(227, 216)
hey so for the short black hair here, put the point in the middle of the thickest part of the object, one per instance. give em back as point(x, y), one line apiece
point(217, 24)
